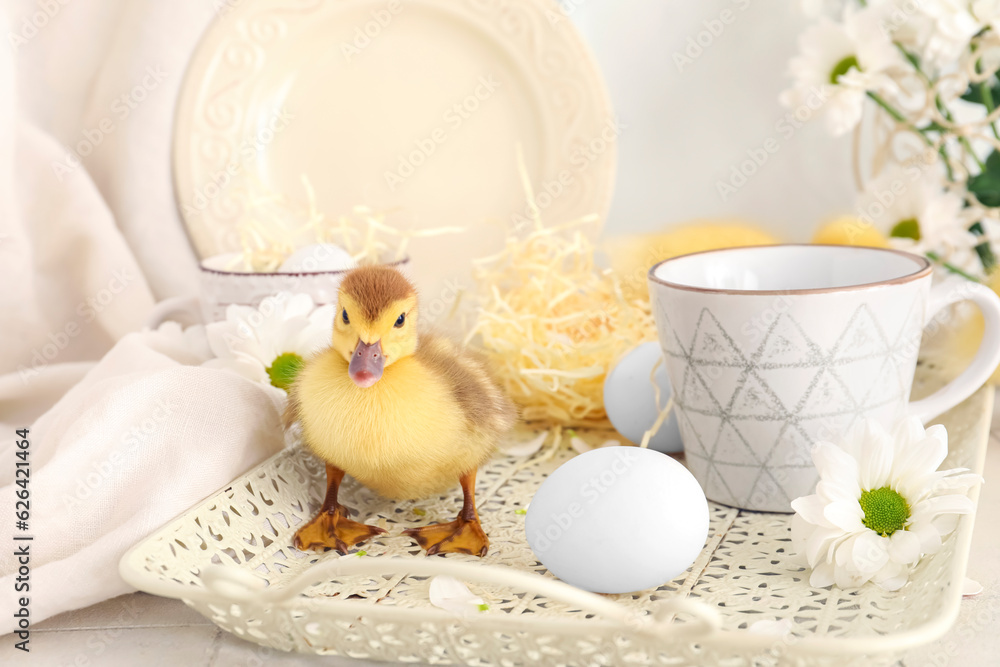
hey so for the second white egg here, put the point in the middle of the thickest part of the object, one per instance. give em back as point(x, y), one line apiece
point(630, 401)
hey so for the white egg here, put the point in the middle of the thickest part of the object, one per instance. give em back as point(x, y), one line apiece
point(318, 257)
point(618, 520)
point(631, 403)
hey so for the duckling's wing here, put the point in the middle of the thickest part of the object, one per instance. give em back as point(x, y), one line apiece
point(482, 401)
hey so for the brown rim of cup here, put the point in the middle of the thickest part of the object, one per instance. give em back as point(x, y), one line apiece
point(925, 269)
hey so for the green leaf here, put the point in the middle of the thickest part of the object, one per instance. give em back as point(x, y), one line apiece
point(975, 92)
point(985, 252)
point(933, 126)
point(986, 184)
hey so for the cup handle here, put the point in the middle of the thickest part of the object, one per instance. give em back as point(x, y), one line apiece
point(987, 357)
point(188, 305)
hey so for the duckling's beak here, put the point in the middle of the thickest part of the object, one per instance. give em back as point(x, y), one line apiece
point(366, 364)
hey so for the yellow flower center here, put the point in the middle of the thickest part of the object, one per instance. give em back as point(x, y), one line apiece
point(885, 511)
point(907, 229)
point(284, 369)
point(841, 68)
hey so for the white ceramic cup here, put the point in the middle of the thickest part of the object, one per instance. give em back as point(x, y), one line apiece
point(222, 285)
point(770, 349)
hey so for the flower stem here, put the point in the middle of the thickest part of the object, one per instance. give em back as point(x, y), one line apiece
point(934, 257)
point(987, 95)
point(964, 141)
point(889, 109)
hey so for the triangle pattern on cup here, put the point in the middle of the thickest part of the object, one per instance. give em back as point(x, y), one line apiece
point(670, 342)
point(788, 384)
point(827, 394)
point(888, 384)
point(768, 493)
point(909, 336)
point(797, 482)
point(716, 488)
point(761, 435)
point(732, 447)
point(755, 399)
point(856, 376)
point(713, 345)
point(787, 345)
point(740, 480)
point(694, 394)
point(699, 440)
point(792, 447)
point(725, 381)
point(862, 338)
point(698, 465)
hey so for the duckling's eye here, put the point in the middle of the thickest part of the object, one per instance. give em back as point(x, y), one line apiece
point(400, 320)
point(343, 316)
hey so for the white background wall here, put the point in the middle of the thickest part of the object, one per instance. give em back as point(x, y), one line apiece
point(687, 129)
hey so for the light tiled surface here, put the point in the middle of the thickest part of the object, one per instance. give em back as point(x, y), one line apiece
point(141, 629)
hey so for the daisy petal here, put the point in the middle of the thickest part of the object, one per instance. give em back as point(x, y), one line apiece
point(452, 595)
point(845, 515)
point(930, 538)
point(811, 508)
point(950, 504)
point(522, 449)
point(870, 552)
point(904, 547)
point(837, 469)
point(821, 576)
point(875, 461)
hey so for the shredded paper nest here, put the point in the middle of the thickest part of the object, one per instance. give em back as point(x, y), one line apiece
point(276, 225)
point(553, 323)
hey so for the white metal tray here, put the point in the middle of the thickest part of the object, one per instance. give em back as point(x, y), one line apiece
point(231, 559)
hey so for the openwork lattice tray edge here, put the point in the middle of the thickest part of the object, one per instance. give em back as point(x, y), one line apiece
point(231, 558)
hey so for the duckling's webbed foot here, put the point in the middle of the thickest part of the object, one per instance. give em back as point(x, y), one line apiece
point(464, 535)
point(458, 536)
point(331, 527)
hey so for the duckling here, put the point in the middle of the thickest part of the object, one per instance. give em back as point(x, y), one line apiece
point(405, 415)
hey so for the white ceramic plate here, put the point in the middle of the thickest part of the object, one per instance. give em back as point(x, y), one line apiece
point(415, 105)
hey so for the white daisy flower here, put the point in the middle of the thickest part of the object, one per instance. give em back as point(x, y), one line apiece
point(942, 29)
point(880, 505)
point(270, 343)
point(839, 63)
point(912, 206)
point(986, 12)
